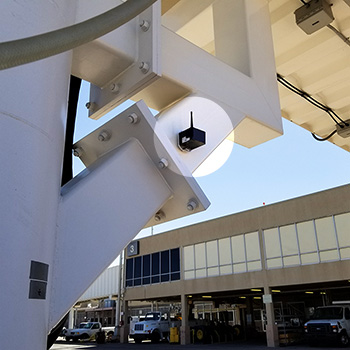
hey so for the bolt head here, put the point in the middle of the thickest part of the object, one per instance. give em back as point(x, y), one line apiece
point(163, 163)
point(114, 87)
point(78, 152)
point(104, 136)
point(192, 205)
point(159, 216)
point(91, 106)
point(144, 25)
point(144, 67)
point(133, 118)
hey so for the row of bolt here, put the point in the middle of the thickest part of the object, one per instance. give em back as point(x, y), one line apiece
point(115, 87)
point(134, 119)
point(191, 206)
point(105, 135)
point(163, 163)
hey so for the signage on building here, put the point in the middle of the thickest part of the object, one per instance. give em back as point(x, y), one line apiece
point(267, 298)
point(132, 248)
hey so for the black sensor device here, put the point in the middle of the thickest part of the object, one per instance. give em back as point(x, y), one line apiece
point(191, 138)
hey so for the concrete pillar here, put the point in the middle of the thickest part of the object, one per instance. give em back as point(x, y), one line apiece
point(124, 329)
point(250, 311)
point(185, 328)
point(272, 338)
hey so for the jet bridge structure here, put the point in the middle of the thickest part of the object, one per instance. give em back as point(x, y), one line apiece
point(213, 58)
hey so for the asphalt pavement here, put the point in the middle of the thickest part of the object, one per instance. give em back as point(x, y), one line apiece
point(237, 345)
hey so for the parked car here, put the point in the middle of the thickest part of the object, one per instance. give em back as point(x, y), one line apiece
point(85, 331)
point(329, 323)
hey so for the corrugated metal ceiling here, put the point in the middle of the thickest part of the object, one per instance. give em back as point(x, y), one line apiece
point(318, 64)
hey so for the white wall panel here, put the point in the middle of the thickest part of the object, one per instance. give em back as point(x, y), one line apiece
point(104, 286)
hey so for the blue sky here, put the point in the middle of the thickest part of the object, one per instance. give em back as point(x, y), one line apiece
point(289, 166)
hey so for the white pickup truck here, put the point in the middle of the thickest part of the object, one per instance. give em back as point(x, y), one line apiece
point(87, 330)
point(155, 327)
point(329, 323)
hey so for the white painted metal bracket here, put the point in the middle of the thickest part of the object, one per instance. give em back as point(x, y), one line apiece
point(139, 123)
point(133, 179)
point(241, 79)
point(100, 211)
point(124, 62)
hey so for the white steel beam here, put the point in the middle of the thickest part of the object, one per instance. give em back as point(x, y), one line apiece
point(237, 73)
point(101, 210)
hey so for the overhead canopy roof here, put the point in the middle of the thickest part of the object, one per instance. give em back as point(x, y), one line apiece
point(318, 64)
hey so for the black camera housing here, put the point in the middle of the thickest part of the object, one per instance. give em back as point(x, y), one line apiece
point(191, 138)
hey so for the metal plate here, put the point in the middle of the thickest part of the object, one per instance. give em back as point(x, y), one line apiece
point(39, 271)
point(157, 145)
point(144, 71)
point(37, 290)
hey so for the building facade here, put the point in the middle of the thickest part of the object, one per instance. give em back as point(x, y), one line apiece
point(265, 269)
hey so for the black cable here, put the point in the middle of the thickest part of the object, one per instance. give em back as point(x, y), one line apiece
point(312, 100)
point(304, 2)
point(339, 34)
point(74, 89)
point(325, 138)
point(303, 94)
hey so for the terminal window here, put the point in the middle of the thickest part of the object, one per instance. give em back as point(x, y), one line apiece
point(309, 242)
point(153, 268)
point(230, 255)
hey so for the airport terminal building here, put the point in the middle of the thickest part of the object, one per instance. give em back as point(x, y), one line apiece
point(265, 269)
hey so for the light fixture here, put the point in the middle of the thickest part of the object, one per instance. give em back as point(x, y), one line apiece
point(255, 290)
point(242, 297)
point(313, 16)
point(275, 291)
point(206, 296)
point(309, 292)
point(257, 298)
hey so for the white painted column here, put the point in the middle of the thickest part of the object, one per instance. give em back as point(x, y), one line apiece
point(33, 103)
point(71, 318)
